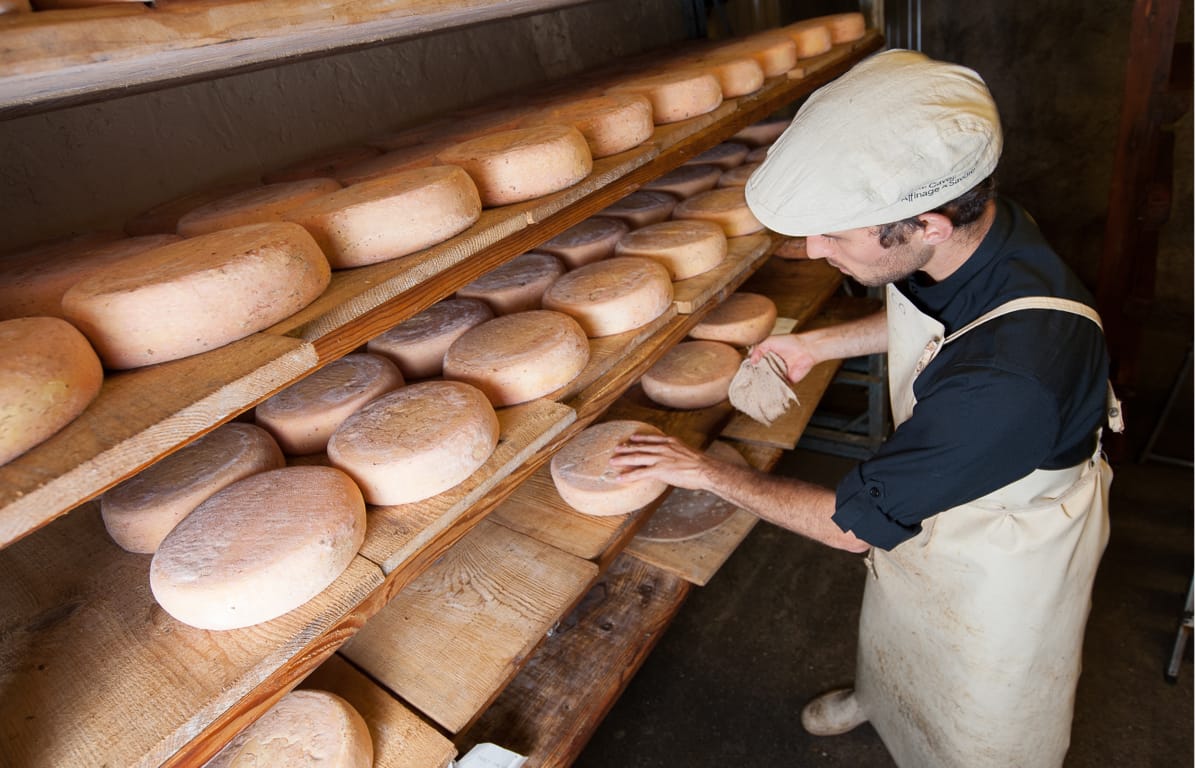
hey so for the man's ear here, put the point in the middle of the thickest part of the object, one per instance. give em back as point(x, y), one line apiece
point(936, 228)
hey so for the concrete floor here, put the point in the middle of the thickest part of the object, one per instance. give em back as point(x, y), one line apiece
point(777, 626)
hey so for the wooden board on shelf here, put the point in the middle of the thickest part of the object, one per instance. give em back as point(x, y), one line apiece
point(799, 287)
point(671, 134)
point(786, 430)
point(396, 533)
point(138, 417)
point(453, 637)
point(401, 739)
point(552, 707)
point(95, 673)
point(744, 255)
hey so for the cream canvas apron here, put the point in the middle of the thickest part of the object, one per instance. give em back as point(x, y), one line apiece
point(970, 633)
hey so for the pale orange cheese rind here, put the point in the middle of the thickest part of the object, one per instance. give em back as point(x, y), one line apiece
point(641, 208)
point(738, 176)
point(677, 95)
point(613, 295)
point(253, 206)
point(416, 442)
point(583, 477)
point(523, 163)
point(685, 248)
point(737, 75)
point(774, 51)
point(741, 320)
point(726, 206)
point(693, 374)
point(417, 345)
point(163, 218)
point(760, 134)
point(141, 511)
point(49, 376)
point(326, 164)
point(586, 242)
point(610, 124)
point(810, 38)
point(516, 286)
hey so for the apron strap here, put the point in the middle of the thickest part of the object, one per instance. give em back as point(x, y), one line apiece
point(1030, 302)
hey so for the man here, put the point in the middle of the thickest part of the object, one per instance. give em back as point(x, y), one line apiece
point(985, 513)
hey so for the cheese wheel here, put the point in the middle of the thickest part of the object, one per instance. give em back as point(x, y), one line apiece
point(522, 164)
point(163, 218)
point(259, 548)
point(774, 51)
point(304, 415)
point(253, 206)
point(197, 294)
point(391, 216)
point(737, 176)
point(517, 358)
point(32, 282)
point(417, 345)
point(305, 729)
point(610, 124)
point(641, 208)
point(677, 95)
point(686, 513)
point(757, 155)
point(741, 320)
point(726, 155)
point(50, 375)
point(585, 480)
point(409, 158)
point(725, 206)
point(762, 133)
point(844, 27)
point(686, 180)
point(693, 374)
point(516, 286)
point(586, 242)
point(684, 248)
point(613, 295)
point(416, 442)
point(736, 75)
point(139, 512)
point(811, 38)
point(324, 165)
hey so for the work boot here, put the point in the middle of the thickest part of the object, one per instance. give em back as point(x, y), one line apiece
point(833, 713)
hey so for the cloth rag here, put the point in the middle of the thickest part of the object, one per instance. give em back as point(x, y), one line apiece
point(762, 390)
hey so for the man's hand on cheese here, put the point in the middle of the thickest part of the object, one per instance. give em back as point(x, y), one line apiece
point(664, 458)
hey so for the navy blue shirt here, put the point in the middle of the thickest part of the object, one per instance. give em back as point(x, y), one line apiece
point(1022, 392)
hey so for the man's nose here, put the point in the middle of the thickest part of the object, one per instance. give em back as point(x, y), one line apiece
point(817, 247)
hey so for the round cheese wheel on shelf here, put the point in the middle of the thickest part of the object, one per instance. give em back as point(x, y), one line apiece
point(163, 218)
point(725, 206)
point(259, 548)
point(305, 729)
point(762, 133)
point(524, 163)
point(253, 206)
point(517, 358)
point(726, 155)
point(685, 513)
point(586, 242)
point(417, 345)
point(844, 27)
point(416, 442)
point(774, 51)
point(686, 180)
point(677, 95)
point(391, 216)
point(197, 294)
point(737, 176)
point(812, 38)
point(421, 155)
point(641, 208)
point(516, 286)
point(693, 374)
point(33, 281)
point(741, 320)
point(613, 295)
point(610, 124)
point(585, 480)
point(325, 165)
point(737, 75)
point(304, 415)
point(757, 155)
point(139, 512)
point(684, 248)
point(50, 375)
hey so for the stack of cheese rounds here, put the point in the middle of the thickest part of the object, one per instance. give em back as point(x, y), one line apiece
point(303, 416)
point(684, 248)
point(589, 241)
point(726, 155)
point(517, 358)
point(741, 320)
point(516, 286)
point(737, 75)
point(585, 480)
point(139, 512)
point(197, 294)
point(253, 206)
point(677, 95)
point(641, 208)
point(774, 51)
point(693, 374)
point(259, 548)
point(725, 206)
point(614, 295)
point(305, 729)
point(524, 163)
point(685, 513)
point(50, 375)
point(686, 180)
point(737, 176)
point(417, 345)
point(416, 442)
point(811, 37)
point(610, 124)
point(327, 164)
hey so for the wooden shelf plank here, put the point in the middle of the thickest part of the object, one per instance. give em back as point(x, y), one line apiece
point(744, 256)
point(85, 648)
point(138, 417)
point(551, 708)
point(401, 739)
point(451, 640)
point(786, 430)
